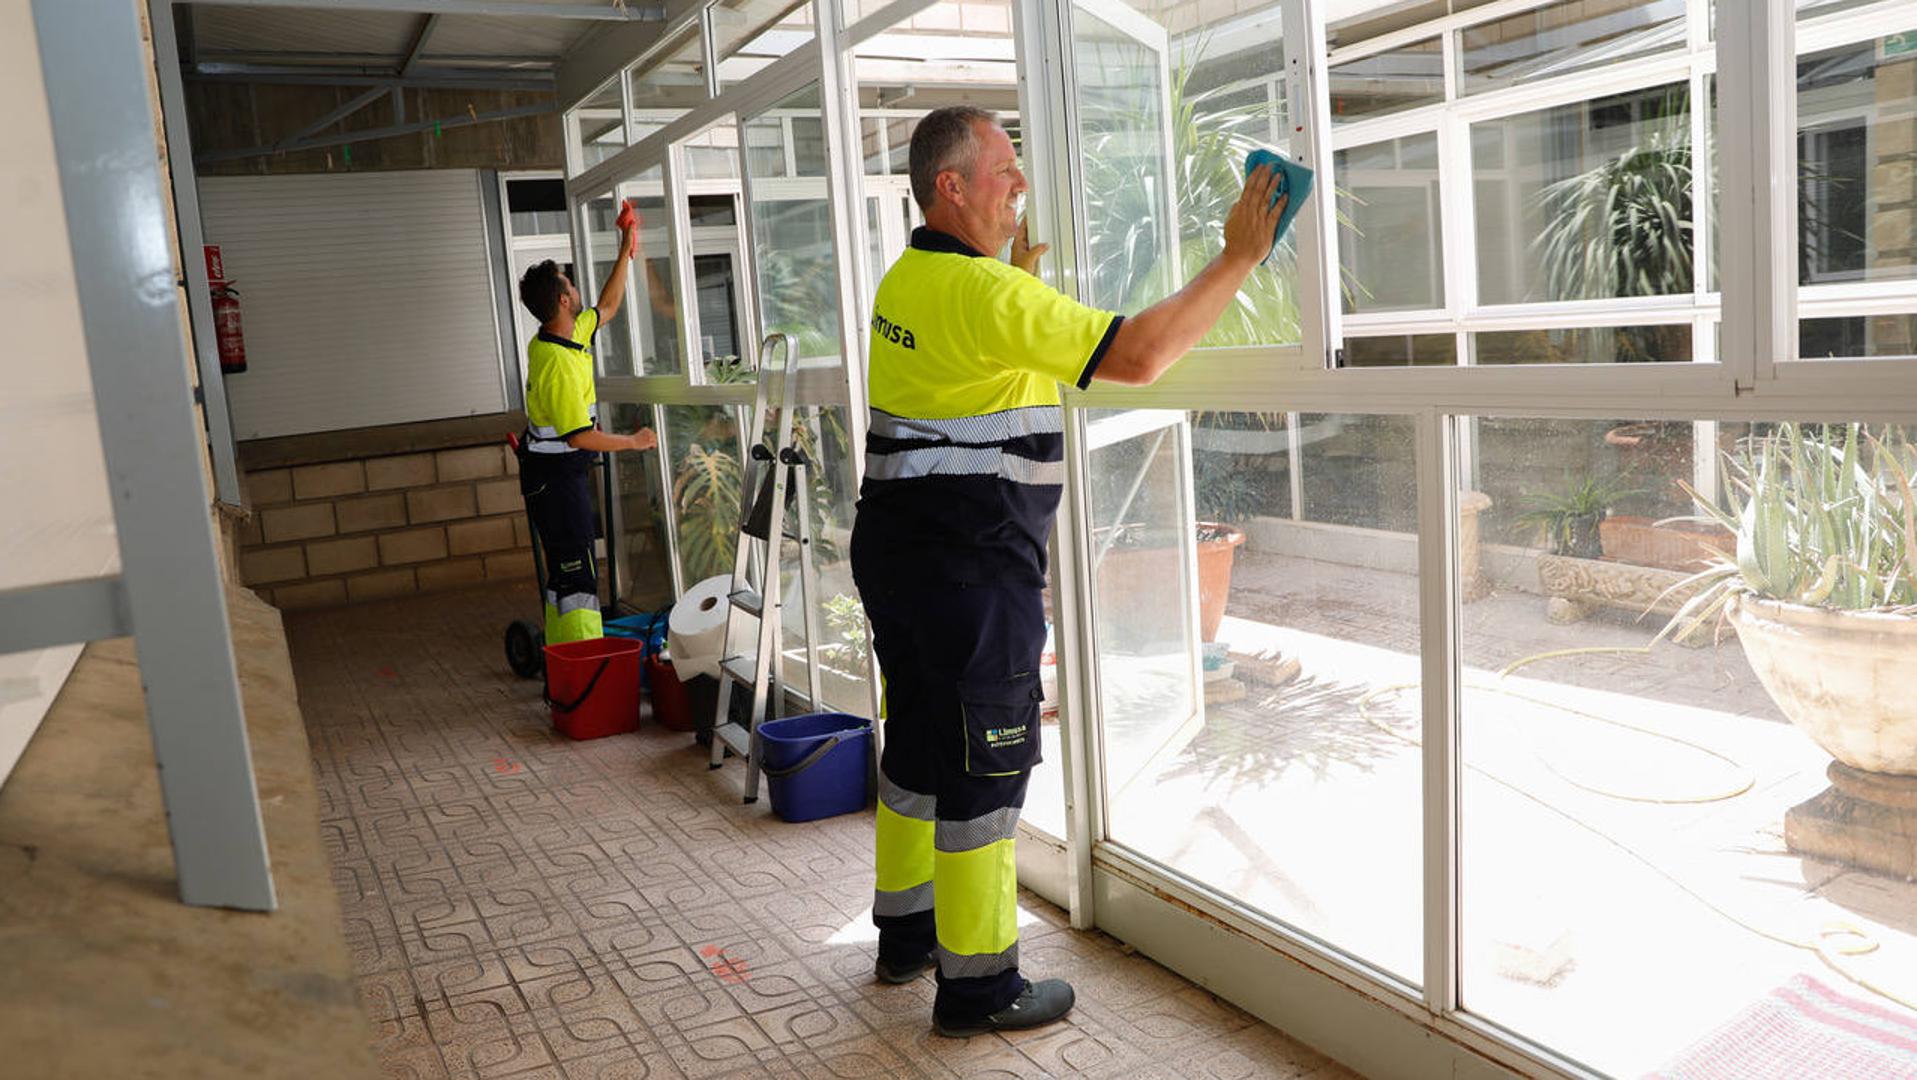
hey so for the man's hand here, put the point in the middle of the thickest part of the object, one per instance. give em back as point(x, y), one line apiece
point(1254, 218)
point(1024, 255)
point(643, 439)
point(629, 240)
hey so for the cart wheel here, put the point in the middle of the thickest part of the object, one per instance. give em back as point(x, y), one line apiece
point(525, 648)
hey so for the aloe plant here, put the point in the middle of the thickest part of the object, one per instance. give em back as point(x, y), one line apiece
point(1823, 515)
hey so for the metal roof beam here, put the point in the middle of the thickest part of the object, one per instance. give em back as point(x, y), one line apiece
point(373, 134)
point(608, 11)
point(335, 116)
point(316, 75)
point(427, 24)
point(378, 59)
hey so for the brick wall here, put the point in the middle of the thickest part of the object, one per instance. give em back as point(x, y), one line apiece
point(390, 525)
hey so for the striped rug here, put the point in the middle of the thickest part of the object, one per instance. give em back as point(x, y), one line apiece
point(1804, 1030)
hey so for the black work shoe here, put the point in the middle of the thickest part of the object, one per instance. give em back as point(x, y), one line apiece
point(1039, 1004)
point(900, 974)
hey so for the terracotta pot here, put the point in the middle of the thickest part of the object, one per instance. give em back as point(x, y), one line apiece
point(1637, 540)
point(1215, 559)
point(1847, 679)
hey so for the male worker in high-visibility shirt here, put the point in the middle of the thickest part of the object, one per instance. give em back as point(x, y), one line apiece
point(562, 435)
point(964, 470)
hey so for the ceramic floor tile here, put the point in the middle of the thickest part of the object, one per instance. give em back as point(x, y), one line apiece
point(521, 905)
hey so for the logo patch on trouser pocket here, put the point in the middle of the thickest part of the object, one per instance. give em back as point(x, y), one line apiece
point(1001, 724)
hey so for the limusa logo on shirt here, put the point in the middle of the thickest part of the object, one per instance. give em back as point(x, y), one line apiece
point(887, 330)
point(998, 737)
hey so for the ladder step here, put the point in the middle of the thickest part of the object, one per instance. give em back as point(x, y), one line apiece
point(736, 738)
point(749, 601)
point(741, 669)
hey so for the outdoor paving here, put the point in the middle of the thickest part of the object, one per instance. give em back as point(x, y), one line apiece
point(1625, 883)
point(522, 905)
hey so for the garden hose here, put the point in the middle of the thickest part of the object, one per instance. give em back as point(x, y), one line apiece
point(1833, 942)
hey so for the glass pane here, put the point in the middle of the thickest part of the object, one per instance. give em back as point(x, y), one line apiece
point(1130, 260)
point(673, 83)
point(1858, 335)
point(716, 281)
point(808, 146)
point(765, 148)
point(612, 346)
point(1228, 98)
point(703, 443)
point(1856, 185)
point(713, 154)
point(658, 328)
point(1661, 839)
point(1390, 241)
point(751, 34)
point(645, 564)
point(602, 126)
point(1357, 470)
point(1387, 82)
point(537, 208)
point(792, 230)
point(1402, 350)
point(1598, 345)
point(1586, 201)
point(1142, 539)
point(843, 641)
point(1310, 674)
point(1560, 38)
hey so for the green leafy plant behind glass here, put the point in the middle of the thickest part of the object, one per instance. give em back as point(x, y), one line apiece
point(1823, 515)
point(1210, 139)
point(1567, 519)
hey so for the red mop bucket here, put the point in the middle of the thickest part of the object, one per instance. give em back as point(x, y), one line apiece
point(593, 686)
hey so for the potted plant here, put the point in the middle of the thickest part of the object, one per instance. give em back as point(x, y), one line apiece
point(1567, 519)
point(1821, 587)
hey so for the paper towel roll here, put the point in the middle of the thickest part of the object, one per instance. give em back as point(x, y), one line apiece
point(696, 631)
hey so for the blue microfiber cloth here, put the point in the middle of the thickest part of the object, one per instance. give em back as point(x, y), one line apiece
point(1294, 180)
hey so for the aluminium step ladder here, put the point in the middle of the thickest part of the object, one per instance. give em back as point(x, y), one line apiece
point(778, 478)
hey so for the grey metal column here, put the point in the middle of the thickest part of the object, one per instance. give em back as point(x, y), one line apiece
point(186, 210)
point(95, 70)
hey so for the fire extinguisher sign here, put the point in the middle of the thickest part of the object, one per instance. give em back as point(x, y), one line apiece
point(215, 266)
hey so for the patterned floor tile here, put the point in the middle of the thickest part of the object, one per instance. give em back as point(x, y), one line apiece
point(521, 905)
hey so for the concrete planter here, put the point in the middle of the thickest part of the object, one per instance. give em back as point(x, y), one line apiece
point(1847, 679)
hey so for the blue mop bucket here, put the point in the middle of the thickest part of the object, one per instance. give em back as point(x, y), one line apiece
point(817, 765)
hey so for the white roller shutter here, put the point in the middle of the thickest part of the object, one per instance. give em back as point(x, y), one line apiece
point(367, 298)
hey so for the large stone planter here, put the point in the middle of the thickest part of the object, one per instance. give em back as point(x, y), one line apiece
point(1847, 679)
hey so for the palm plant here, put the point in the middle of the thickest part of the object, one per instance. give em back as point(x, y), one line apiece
point(1623, 228)
point(1126, 201)
point(1823, 516)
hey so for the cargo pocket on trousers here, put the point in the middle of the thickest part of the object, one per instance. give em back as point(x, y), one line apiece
point(1001, 724)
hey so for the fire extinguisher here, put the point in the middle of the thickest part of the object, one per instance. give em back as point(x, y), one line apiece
point(226, 328)
point(226, 314)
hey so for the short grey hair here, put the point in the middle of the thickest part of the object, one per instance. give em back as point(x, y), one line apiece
point(945, 139)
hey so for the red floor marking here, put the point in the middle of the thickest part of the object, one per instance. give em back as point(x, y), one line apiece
point(728, 970)
point(502, 765)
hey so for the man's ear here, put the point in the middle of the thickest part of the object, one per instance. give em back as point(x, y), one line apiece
point(948, 183)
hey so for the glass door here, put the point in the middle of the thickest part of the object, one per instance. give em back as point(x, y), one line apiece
point(1142, 570)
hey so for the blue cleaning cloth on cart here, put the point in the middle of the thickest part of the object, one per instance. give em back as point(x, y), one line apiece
point(1294, 181)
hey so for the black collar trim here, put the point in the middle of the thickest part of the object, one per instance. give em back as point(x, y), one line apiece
point(551, 338)
point(926, 238)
